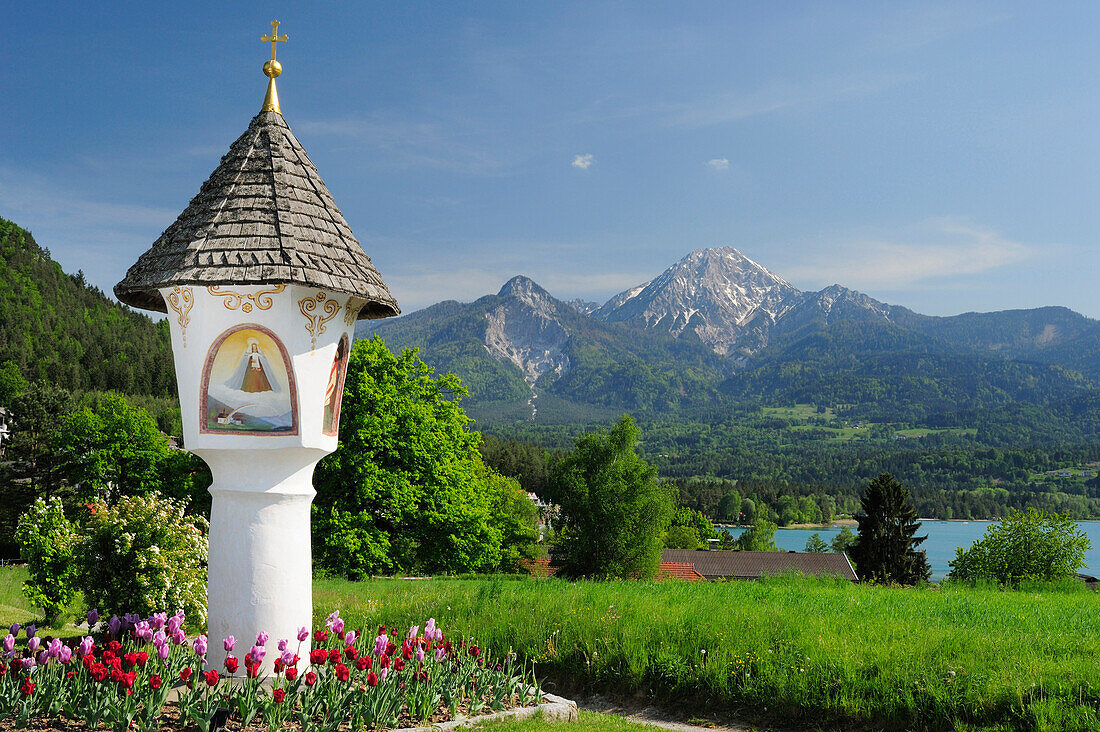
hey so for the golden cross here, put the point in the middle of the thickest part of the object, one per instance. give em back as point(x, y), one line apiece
point(274, 37)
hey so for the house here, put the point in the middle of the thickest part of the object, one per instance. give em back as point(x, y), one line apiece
point(684, 571)
point(716, 565)
point(5, 428)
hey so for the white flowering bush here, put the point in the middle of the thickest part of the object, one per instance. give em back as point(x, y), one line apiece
point(143, 554)
point(46, 542)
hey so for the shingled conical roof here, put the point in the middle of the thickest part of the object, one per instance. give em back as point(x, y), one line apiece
point(263, 217)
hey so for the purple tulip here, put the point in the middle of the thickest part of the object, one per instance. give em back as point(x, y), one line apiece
point(33, 644)
point(287, 658)
point(9, 643)
point(179, 638)
point(28, 664)
point(55, 647)
point(229, 643)
point(93, 617)
point(349, 639)
point(420, 654)
point(114, 625)
point(303, 634)
point(413, 632)
point(144, 631)
point(257, 653)
point(65, 654)
point(429, 628)
point(29, 630)
point(380, 644)
point(261, 638)
point(201, 644)
point(14, 629)
point(331, 619)
point(383, 673)
point(158, 620)
point(338, 626)
point(440, 653)
point(86, 644)
point(162, 651)
point(159, 638)
point(42, 658)
point(172, 625)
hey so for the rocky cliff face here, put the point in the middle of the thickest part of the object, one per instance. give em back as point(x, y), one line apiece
point(523, 329)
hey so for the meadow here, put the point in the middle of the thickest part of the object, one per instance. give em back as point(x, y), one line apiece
point(786, 650)
point(789, 651)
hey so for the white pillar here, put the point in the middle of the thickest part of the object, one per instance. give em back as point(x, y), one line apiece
point(260, 566)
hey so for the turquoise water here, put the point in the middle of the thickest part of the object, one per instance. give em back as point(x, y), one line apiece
point(943, 538)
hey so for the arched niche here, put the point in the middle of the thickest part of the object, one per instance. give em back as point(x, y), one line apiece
point(334, 391)
point(248, 385)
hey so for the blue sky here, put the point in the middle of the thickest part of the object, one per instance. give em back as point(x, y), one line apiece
point(945, 157)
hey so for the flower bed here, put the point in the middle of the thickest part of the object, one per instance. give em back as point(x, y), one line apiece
point(125, 679)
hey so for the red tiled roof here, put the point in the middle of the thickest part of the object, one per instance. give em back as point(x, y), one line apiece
point(680, 571)
point(753, 565)
point(539, 567)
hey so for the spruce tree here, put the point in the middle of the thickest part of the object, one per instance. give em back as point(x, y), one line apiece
point(886, 548)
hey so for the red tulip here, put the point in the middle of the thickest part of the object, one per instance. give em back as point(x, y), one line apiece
point(311, 679)
point(155, 681)
point(185, 674)
point(334, 656)
point(350, 652)
point(279, 695)
point(363, 663)
point(399, 664)
point(291, 673)
point(28, 687)
point(342, 672)
point(318, 656)
point(211, 677)
point(372, 679)
point(231, 664)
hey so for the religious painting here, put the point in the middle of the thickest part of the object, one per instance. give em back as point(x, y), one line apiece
point(334, 392)
point(248, 385)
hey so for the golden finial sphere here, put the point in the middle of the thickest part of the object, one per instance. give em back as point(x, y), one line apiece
point(272, 68)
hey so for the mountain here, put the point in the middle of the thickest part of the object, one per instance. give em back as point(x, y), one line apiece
point(717, 330)
point(57, 328)
point(524, 348)
point(720, 296)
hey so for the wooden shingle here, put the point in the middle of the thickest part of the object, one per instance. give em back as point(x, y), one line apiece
point(264, 216)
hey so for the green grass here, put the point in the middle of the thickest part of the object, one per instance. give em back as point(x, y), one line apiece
point(924, 432)
point(14, 608)
point(807, 652)
point(798, 411)
point(791, 651)
point(586, 722)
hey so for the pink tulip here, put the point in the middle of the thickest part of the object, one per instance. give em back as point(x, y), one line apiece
point(229, 643)
point(303, 634)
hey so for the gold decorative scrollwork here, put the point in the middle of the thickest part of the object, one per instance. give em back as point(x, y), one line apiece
point(244, 300)
point(181, 300)
point(351, 310)
point(315, 321)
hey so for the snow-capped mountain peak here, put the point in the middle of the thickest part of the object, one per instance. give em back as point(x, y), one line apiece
point(716, 293)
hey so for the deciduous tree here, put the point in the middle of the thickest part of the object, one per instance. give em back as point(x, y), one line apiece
point(613, 512)
point(1025, 545)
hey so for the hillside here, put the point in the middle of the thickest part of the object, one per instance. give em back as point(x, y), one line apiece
point(522, 345)
point(59, 329)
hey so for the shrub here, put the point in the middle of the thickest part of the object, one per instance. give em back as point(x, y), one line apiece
point(46, 542)
point(1024, 546)
point(143, 554)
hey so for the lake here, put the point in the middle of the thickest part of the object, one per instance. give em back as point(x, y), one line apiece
point(943, 538)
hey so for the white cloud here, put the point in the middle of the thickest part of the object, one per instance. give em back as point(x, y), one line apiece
point(584, 162)
point(718, 164)
point(932, 251)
